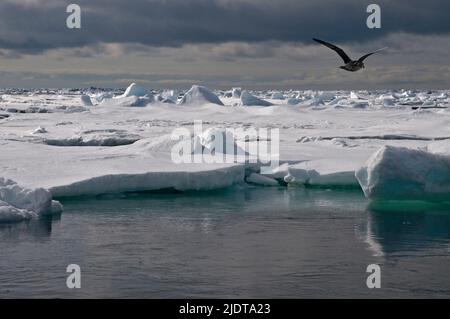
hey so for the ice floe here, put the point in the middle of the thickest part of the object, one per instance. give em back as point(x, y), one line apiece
point(183, 180)
point(323, 172)
point(394, 173)
point(261, 180)
point(18, 203)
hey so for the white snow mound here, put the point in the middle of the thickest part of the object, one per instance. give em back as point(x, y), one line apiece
point(134, 95)
point(200, 95)
point(135, 90)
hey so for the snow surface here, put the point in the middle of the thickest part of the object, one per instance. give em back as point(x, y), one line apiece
point(50, 140)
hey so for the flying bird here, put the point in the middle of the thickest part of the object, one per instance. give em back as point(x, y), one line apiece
point(350, 65)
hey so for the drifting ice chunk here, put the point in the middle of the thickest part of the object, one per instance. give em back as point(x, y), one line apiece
point(258, 179)
point(278, 173)
point(400, 173)
point(248, 99)
point(86, 100)
point(10, 214)
point(17, 203)
point(200, 95)
point(326, 172)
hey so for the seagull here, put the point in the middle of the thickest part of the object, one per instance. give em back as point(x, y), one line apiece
point(350, 65)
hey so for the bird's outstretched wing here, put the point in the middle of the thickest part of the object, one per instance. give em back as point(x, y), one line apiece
point(338, 50)
point(361, 59)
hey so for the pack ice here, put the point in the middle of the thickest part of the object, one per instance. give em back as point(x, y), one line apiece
point(55, 143)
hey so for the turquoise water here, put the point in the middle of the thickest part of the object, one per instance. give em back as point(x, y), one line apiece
point(242, 242)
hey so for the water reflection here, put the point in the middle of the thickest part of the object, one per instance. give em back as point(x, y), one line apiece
point(34, 229)
point(396, 227)
point(241, 242)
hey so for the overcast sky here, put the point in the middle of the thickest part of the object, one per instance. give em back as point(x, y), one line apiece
point(223, 43)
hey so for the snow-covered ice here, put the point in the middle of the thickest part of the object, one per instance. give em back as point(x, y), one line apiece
point(261, 180)
point(18, 203)
point(332, 172)
point(394, 173)
point(86, 100)
point(200, 95)
point(49, 139)
point(247, 99)
point(134, 95)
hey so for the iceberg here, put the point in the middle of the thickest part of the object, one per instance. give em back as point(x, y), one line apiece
point(399, 173)
point(200, 95)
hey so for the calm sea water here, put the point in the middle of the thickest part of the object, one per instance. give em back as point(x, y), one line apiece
point(242, 242)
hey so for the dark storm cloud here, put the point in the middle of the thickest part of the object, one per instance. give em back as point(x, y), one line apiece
point(32, 26)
